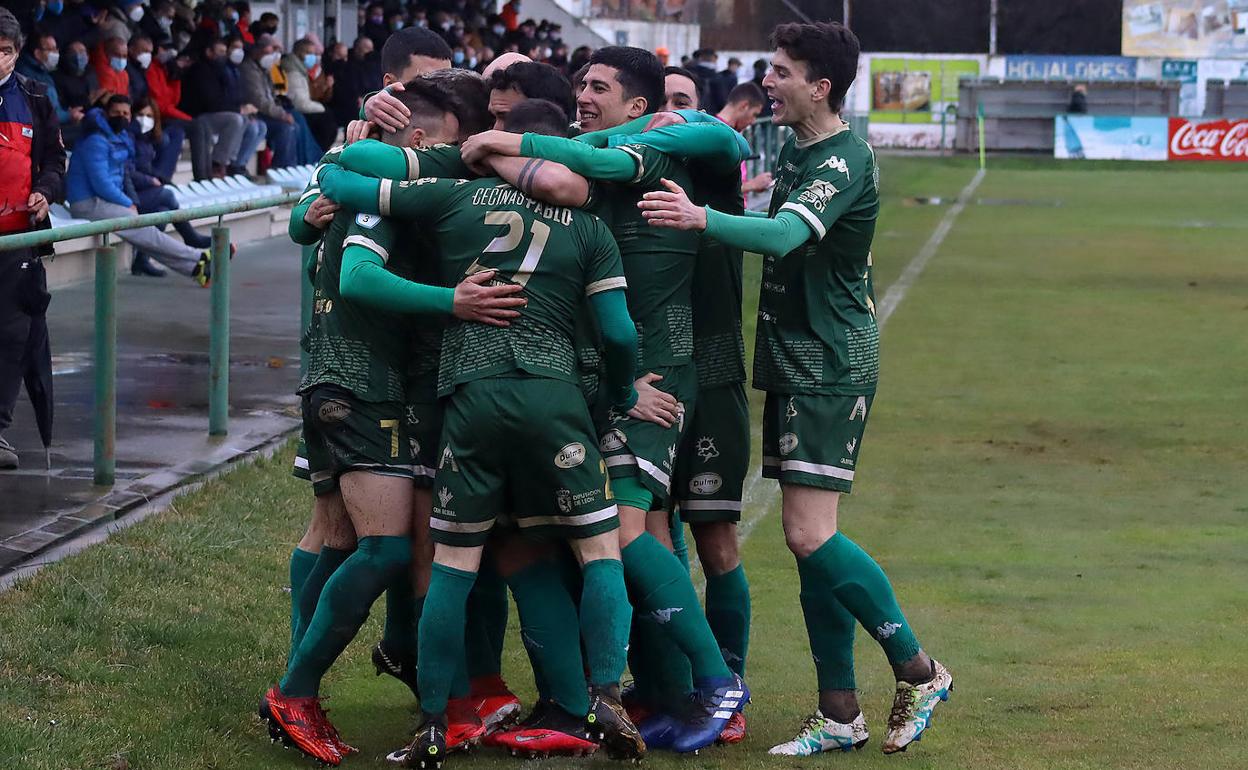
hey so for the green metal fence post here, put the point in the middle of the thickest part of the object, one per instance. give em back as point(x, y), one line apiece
point(219, 335)
point(105, 428)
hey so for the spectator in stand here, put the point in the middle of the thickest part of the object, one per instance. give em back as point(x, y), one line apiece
point(713, 94)
point(152, 185)
point(1078, 100)
point(580, 57)
point(108, 64)
point(267, 25)
point(258, 91)
point(254, 129)
point(217, 126)
point(38, 62)
point(745, 102)
point(239, 15)
point(51, 19)
point(122, 19)
point(158, 22)
point(493, 32)
point(97, 187)
point(80, 23)
point(511, 15)
point(729, 78)
point(296, 65)
point(141, 49)
point(32, 164)
point(360, 74)
point(72, 89)
point(760, 72)
point(375, 25)
point(523, 35)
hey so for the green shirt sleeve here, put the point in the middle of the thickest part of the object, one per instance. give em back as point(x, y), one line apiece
point(774, 237)
point(619, 346)
point(300, 231)
point(365, 279)
point(351, 190)
point(374, 158)
point(713, 143)
point(605, 165)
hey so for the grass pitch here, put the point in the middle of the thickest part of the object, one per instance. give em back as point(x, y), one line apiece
point(1054, 479)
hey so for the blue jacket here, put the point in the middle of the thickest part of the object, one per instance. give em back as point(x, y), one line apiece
point(97, 169)
point(142, 173)
point(30, 67)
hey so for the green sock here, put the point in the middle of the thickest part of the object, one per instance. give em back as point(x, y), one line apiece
point(830, 628)
point(728, 613)
point(667, 677)
point(399, 634)
point(460, 686)
point(858, 583)
point(679, 546)
point(327, 563)
point(487, 623)
point(343, 608)
point(301, 564)
point(441, 636)
point(605, 617)
point(664, 591)
point(546, 614)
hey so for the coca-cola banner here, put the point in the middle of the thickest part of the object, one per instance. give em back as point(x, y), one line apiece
point(1208, 140)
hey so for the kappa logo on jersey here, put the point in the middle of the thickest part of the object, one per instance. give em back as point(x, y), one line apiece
point(445, 496)
point(791, 410)
point(705, 483)
point(448, 458)
point(851, 445)
point(705, 447)
point(887, 630)
point(563, 499)
point(424, 180)
point(860, 409)
point(788, 442)
point(367, 221)
point(612, 440)
point(836, 164)
point(571, 455)
point(414, 445)
point(412, 419)
point(614, 415)
point(818, 193)
point(333, 410)
point(662, 617)
point(671, 455)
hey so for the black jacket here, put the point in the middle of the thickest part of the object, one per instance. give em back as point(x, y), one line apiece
point(47, 151)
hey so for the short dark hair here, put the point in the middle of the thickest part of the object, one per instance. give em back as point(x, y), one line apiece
point(747, 92)
point(10, 28)
point(537, 116)
point(639, 71)
point(425, 100)
point(536, 81)
point(674, 70)
point(829, 49)
point(468, 97)
point(401, 46)
point(116, 99)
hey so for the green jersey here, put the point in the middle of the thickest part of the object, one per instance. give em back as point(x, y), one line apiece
point(816, 312)
point(718, 347)
point(658, 261)
point(360, 348)
point(560, 256)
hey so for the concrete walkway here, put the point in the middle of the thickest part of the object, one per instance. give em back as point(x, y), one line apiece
point(162, 396)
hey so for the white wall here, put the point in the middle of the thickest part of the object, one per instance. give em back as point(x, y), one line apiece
point(679, 39)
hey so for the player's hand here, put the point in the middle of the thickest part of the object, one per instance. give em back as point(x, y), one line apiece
point(75, 114)
point(490, 305)
point(321, 212)
point(38, 207)
point(672, 209)
point(662, 119)
point(475, 148)
point(359, 129)
point(758, 183)
point(653, 405)
point(386, 111)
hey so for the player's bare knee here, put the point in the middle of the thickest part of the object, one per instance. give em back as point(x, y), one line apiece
point(717, 546)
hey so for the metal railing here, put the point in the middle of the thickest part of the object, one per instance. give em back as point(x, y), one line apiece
point(105, 338)
point(767, 138)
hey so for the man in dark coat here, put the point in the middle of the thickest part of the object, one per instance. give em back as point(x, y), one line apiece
point(32, 163)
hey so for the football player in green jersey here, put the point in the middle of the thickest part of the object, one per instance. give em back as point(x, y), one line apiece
point(517, 387)
point(817, 358)
point(623, 84)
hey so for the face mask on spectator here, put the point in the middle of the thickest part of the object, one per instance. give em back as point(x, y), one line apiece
point(546, 52)
point(136, 14)
point(499, 29)
point(232, 15)
point(165, 56)
point(457, 57)
point(377, 19)
point(472, 62)
point(310, 60)
point(55, 7)
point(116, 62)
point(236, 55)
point(446, 25)
point(146, 123)
point(422, 23)
point(144, 59)
point(541, 35)
point(117, 123)
point(165, 23)
point(54, 58)
point(269, 59)
point(80, 62)
point(396, 25)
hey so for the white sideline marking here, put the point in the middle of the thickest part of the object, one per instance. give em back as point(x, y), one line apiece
point(759, 501)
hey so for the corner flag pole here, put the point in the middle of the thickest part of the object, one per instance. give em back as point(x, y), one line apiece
point(979, 119)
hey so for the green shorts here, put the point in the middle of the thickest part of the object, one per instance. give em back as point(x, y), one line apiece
point(714, 457)
point(344, 434)
point(644, 449)
point(520, 448)
point(813, 441)
point(422, 417)
point(300, 468)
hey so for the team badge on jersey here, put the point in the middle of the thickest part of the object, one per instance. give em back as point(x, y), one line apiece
point(367, 221)
point(563, 499)
point(612, 440)
point(705, 483)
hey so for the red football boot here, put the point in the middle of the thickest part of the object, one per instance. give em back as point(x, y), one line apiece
point(301, 723)
point(548, 731)
point(463, 727)
point(734, 731)
point(494, 702)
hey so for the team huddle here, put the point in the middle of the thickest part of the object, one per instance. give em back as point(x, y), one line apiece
point(525, 374)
